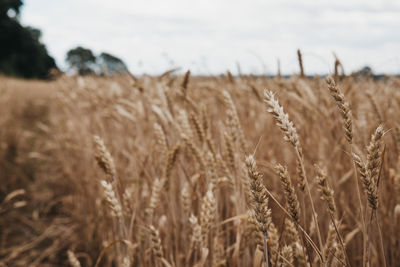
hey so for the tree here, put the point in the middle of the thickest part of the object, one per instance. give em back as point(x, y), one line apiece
point(111, 64)
point(21, 52)
point(365, 71)
point(7, 5)
point(82, 60)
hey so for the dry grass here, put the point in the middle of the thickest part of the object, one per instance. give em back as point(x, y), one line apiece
point(152, 171)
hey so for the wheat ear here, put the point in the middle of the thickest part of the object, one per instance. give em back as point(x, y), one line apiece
point(259, 199)
point(286, 260)
point(156, 242)
point(234, 122)
point(161, 139)
point(195, 152)
point(290, 135)
point(290, 193)
point(207, 215)
point(73, 260)
point(103, 157)
point(325, 190)
point(111, 198)
point(344, 108)
point(373, 166)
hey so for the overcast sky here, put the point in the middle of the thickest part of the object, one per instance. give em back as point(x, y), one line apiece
point(210, 37)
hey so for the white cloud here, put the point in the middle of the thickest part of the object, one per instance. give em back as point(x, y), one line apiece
point(211, 36)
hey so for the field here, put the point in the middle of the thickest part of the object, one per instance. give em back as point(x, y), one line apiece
point(200, 171)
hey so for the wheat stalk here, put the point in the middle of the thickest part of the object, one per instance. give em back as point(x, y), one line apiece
point(111, 198)
point(197, 126)
point(344, 108)
point(185, 83)
point(103, 157)
point(286, 259)
point(259, 200)
point(161, 139)
point(291, 136)
point(233, 121)
point(197, 238)
point(156, 245)
point(282, 119)
point(373, 166)
point(325, 190)
point(195, 152)
point(300, 59)
point(207, 215)
point(290, 193)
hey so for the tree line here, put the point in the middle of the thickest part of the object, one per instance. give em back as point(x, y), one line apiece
point(22, 53)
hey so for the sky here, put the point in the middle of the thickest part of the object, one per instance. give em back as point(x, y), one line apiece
point(213, 36)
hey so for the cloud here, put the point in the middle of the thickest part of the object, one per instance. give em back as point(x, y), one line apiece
point(211, 36)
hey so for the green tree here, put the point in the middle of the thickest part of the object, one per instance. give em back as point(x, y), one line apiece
point(7, 5)
point(110, 64)
point(21, 52)
point(81, 60)
point(365, 71)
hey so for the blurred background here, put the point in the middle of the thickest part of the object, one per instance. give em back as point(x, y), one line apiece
point(207, 37)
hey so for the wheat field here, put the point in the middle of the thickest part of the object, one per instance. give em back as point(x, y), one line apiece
point(179, 170)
